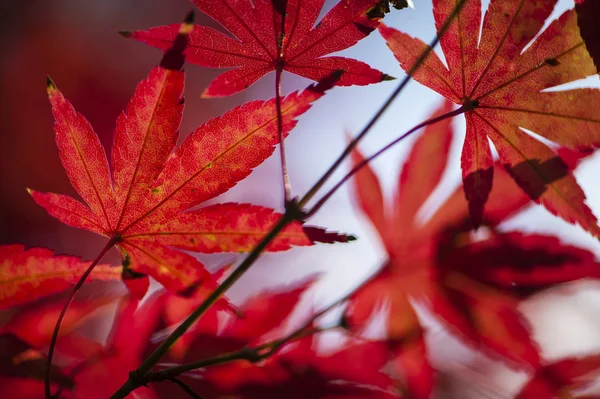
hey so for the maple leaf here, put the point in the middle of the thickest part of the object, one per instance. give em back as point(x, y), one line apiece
point(34, 322)
point(299, 371)
point(123, 352)
point(522, 264)
point(562, 378)
point(26, 275)
point(501, 82)
point(505, 199)
point(176, 308)
point(87, 368)
point(353, 371)
point(141, 206)
point(271, 35)
point(260, 318)
point(474, 287)
point(22, 369)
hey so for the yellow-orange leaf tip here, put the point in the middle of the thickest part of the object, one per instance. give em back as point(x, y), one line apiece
point(50, 86)
point(189, 19)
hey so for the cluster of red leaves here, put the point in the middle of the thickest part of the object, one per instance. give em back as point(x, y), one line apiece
point(91, 369)
point(143, 203)
point(473, 284)
point(144, 207)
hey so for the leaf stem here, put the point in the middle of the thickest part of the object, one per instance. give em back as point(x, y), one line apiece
point(365, 161)
point(136, 377)
point(63, 312)
point(287, 185)
point(348, 150)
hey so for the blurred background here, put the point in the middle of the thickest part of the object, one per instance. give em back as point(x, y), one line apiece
point(76, 43)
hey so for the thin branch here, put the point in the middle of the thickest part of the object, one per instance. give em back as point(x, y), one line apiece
point(348, 150)
point(185, 387)
point(258, 353)
point(63, 312)
point(252, 355)
point(364, 162)
point(287, 185)
point(136, 376)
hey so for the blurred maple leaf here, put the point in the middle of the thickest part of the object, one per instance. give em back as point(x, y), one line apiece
point(272, 34)
point(295, 369)
point(352, 371)
point(34, 322)
point(22, 370)
point(141, 206)
point(101, 376)
point(501, 80)
point(561, 378)
point(26, 275)
point(473, 286)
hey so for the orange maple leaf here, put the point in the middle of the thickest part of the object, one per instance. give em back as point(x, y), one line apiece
point(501, 79)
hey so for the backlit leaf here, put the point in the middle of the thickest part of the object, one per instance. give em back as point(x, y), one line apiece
point(26, 275)
point(274, 34)
point(500, 80)
point(141, 207)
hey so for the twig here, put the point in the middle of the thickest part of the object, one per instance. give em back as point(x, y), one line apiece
point(365, 161)
point(185, 387)
point(254, 354)
point(348, 150)
point(63, 312)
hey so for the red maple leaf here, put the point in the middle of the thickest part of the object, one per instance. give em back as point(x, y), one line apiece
point(473, 286)
point(34, 322)
point(501, 81)
point(102, 375)
point(88, 368)
point(562, 378)
point(143, 207)
point(353, 371)
point(259, 319)
point(22, 369)
point(295, 369)
point(28, 333)
point(274, 35)
point(26, 275)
